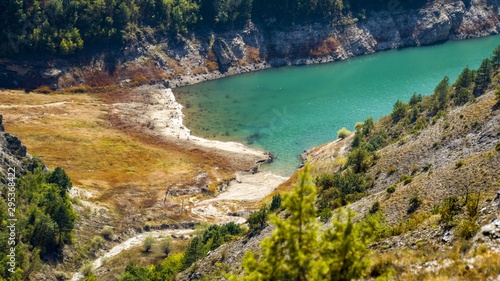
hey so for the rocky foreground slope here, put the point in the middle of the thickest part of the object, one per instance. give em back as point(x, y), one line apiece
point(208, 55)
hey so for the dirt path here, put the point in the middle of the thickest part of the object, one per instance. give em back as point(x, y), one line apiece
point(132, 242)
point(248, 187)
point(32, 106)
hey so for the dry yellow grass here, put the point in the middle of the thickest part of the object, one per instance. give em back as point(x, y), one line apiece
point(71, 131)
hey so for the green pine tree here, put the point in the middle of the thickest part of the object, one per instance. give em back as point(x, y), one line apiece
point(483, 77)
point(297, 250)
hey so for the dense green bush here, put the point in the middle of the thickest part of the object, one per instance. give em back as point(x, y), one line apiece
point(257, 220)
point(45, 220)
point(210, 239)
point(276, 202)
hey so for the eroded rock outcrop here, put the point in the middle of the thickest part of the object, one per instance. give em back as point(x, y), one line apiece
point(207, 55)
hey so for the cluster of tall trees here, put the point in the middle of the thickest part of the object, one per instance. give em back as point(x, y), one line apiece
point(66, 26)
point(45, 220)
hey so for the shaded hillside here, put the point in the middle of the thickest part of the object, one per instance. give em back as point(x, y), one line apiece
point(207, 54)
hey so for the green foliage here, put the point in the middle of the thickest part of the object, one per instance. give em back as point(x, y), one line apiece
point(495, 59)
point(276, 202)
point(483, 78)
point(96, 242)
point(194, 251)
point(391, 189)
point(148, 243)
point(258, 219)
point(450, 208)
point(297, 250)
point(415, 203)
point(107, 232)
point(358, 159)
point(164, 271)
point(210, 239)
point(374, 208)
point(441, 94)
point(415, 99)
point(87, 269)
point(466, 78)
point(343, 133)
point(340, 188)
point(497, 95)
point(406, 179)
point(325, 214)
point(45, 220)
point(467, 228)
point(166, 246)
point(462, 96)
point(399, 111)
point(61, 179)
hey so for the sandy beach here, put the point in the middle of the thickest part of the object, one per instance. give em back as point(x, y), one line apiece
point(155, 109)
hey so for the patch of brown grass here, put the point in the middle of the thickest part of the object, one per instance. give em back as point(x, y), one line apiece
point(253, 54)
point(77, 137)
point(326, 47)
point(211, 62)
point(199, 70)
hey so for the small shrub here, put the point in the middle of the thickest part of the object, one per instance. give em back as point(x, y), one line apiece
point(391, 189)
point(95, 242)
point(450, 208)
point(257, 220)
point(415, 203)
point(497, 146)
point(374, 208)
point(391, 170)
point(107, 232)
point(325, 214)
point(467, 228)
point(342, 160)
point(414, 169)
point(166, 246)
point(87, 269)
point(459, 164)
point(359, 160)
point(343, 133)
point(148, 243)
point(276, 202)
point(473, 205)
point(426, 167)
point(406, 179)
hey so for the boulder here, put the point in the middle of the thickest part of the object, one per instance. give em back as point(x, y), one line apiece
point(15, 146)
point(238, 47)
point(51, 73)
point(434, 26)
point(224, 54)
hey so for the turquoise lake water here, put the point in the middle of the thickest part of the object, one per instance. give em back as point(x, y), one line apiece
point(287, 110)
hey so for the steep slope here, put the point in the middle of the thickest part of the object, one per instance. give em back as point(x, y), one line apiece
point(206, 55)
point(435, 183)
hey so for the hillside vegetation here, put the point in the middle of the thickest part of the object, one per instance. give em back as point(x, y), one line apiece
point(65, 27)
point(36, 214)
point(423, 182)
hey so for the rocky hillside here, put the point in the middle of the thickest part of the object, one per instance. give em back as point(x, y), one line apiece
point(13, 155)
point(208, 55)
point(435, 185)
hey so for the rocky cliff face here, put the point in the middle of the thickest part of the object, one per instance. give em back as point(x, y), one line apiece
point(13, 155)
point(206, 56)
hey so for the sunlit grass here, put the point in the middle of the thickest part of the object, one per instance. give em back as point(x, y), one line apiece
point(76, 136)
